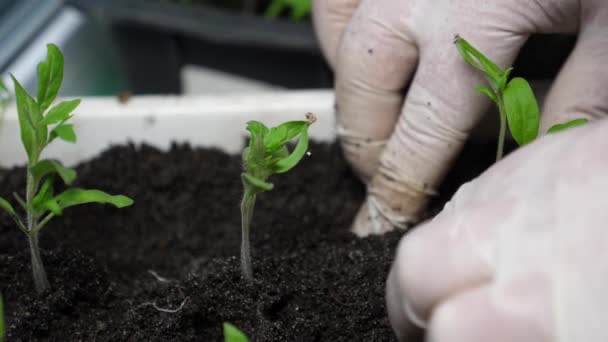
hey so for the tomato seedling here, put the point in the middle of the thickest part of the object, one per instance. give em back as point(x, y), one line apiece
point(267, 154)
point(515, 99)
point(40, 126)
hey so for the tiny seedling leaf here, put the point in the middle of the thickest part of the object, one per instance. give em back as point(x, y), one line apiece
point(45, 167)
point(4, 204)
point(287, 163)
point(478, 60)
point(50, 76)
point(233, 334)
point(521, 110)
point(256, 184)
point(60, 112)
point(278, 136)
point(29, 114)
point(487, 92)
point(44, 194)
point(75, 196)
point(64, 132)
point(566, 125)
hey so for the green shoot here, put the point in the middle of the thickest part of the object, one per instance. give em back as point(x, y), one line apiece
point(266, 155)
point(233, 334)
point(40, 125)
point(2, 325)
point(515, 99)
point(298, 9)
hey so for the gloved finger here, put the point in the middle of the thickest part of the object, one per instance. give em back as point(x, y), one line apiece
point(375, 60)
point(433, 263)
point(580, 89)
point(440, 109)
point(330, 17)
point(520, 311)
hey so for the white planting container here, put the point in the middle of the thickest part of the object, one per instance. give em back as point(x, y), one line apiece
point(207, 120)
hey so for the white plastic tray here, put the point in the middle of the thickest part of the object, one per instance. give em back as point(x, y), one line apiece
point(212, 121)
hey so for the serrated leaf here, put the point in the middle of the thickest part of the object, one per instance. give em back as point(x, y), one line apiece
point(522, 111)
point(60, 112)
point(50, 76)
point(4, 204)
point(478, 60)
point(75, 196)
point(487, 92)
point(287, 163)
point(29, 113)
point(566, 125)
point(278, 136)
point(64, 132)
point(233, 334)
point(46, 166)
point(256, 184)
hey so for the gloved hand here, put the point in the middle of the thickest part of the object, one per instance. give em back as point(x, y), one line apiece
point(403, 147)
point(518, 254)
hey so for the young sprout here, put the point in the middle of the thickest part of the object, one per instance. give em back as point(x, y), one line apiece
point(40, 126)
point(515, 99)
point(233, 334)
point(298, 8)
point(266, 155)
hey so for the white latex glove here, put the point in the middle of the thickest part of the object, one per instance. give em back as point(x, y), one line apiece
point(518, 254)
point(402, 146)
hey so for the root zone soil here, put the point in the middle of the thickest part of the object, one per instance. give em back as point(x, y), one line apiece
point(167, 269)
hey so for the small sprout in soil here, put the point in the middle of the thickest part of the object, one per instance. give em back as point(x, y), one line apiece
point(233, 334)
point(515, 99)
point(40, 125)
point(266, 155)
point(298, 9)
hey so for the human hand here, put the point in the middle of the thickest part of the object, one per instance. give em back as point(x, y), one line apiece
point(403, 146)
point(518, 254)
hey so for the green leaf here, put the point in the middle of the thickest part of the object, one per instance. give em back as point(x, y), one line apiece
point(64, 132)
point(282, 134)
point(256, 184)
point(60, 112)
point(478, 60)
point(3, 88)
point(287, 163)
point(233, 334)
point(50, 76)
point(44, 194)
point(522, 111)
point(300, 9)
point(73, 197)
point(4, 204)
point(29, 115)
point(488, 92)
point(46, 166)
point(275, 8)
point(566, 125)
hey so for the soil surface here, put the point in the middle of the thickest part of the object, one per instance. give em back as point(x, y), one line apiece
point(167, 268)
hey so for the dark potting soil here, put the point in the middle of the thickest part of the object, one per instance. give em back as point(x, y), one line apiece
point(167, 268)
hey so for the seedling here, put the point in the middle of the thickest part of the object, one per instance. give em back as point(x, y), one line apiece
point(266, 155)
point(233, 334)
point(515, 99)
point(40, 126)
point(298, 9)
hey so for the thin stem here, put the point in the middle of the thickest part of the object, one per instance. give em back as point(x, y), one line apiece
point(503, 128)
point(40, 279)
point(247, 206)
